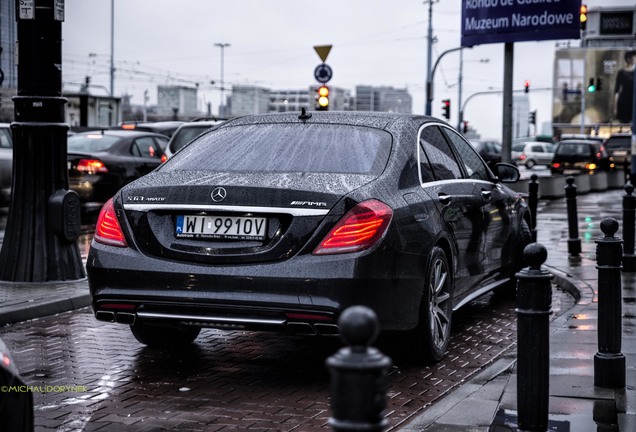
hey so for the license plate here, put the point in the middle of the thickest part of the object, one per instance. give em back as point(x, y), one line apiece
point(620, 153)
point(221, 227)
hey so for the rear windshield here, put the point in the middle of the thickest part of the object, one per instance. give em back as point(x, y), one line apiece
point(287, 148)
point(619, 142)
point(91, 142)
point(574, 148)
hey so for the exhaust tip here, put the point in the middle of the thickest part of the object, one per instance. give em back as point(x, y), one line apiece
point(106, 316)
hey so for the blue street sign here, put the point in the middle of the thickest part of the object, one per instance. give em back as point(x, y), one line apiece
point(323, 73)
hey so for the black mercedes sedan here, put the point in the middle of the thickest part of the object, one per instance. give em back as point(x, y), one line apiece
point(101, 162)
point(282, 221)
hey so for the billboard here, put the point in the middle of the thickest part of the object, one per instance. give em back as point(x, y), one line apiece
point(495, 21)
point(596, 82)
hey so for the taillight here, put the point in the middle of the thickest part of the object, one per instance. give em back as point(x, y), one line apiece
point(164, 158)
point(108, 231)
point(522, 156)
point(359, 229)
point(91, 166)
point(556, 165)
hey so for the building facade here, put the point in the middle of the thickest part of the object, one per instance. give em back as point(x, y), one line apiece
point(386, 99)
point(289, 100)
point(247, 99)
point(8, 66)
point(176, 100)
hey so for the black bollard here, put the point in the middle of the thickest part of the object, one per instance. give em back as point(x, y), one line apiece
point(533, 200)
point(609, 362)
point(534, 301)
point(574, 242)
point(629, 221)
point(358, 375)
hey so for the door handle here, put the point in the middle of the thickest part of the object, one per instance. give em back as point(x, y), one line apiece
point(444, 199)
point(486, 194)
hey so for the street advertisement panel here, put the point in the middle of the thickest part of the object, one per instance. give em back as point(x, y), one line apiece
point(596, 82)
point(495, 21)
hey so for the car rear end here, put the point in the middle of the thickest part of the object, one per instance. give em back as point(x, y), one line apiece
point(619, 147)
point(579, 157)
point(90, 175)
point(257, 227)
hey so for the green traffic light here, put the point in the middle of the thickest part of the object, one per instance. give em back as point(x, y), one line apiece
point(591, 89)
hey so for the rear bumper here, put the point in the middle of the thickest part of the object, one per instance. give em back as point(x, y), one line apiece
point(304, 294)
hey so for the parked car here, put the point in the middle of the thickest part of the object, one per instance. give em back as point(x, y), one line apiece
point(101, 162)
point(530, 154)
point(489, 150)
point(580, 156)
point(187, 132)
point(619, 147)
point(6, 164)
point(164, 127)
point(269, 222)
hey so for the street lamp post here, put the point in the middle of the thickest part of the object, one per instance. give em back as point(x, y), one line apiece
point(222, 105)
point(44, 216)
point(429, 83)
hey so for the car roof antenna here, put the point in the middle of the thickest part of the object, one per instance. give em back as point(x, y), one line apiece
point(303, 114)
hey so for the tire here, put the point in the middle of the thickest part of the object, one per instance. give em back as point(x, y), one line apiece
point(530, 163)
point(432, 335)
point(170, 337)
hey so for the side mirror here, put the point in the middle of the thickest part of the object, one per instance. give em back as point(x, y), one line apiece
point(507, 173)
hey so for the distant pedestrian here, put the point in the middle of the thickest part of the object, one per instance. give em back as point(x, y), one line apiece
point(624, 89)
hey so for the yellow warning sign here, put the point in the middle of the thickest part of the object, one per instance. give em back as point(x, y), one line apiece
point(323, 51)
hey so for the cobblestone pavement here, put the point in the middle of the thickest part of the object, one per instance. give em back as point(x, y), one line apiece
point(228, 380)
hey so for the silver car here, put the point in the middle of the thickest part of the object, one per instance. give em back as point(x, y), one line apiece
point(533, 153)
point(6, 163)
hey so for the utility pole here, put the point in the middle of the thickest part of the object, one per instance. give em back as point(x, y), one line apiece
point(429, 61)
point(506, 133)
point(222, 105)
point(44, 216)
point(112, 48)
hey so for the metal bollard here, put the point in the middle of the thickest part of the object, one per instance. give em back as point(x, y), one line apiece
point(533, 200)
point(358, 375)
point(534, 301)
point(574, 242)
point(629, 222)
point(609, 362)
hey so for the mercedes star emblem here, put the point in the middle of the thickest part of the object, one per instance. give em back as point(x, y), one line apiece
point(218, 194)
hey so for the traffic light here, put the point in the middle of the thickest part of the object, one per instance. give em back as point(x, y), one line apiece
point(599, 84)
point(464, 127)
point(322, 98)
point(526, 86)
point(583, 17)
point(591, 87)
point(532, 117)
point(446, 109)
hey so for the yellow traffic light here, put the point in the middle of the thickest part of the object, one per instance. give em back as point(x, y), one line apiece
point(583, 17)
point(323, 98)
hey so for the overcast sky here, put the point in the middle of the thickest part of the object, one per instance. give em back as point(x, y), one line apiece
point(375, 42)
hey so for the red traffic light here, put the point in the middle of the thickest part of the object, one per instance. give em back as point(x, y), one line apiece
point(526, 86)
point(446, 108)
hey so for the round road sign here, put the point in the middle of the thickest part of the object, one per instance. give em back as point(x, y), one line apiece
point(323, 73)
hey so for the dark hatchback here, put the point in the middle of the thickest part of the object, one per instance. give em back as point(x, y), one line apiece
point(281, 221)
point(101, 162)
point(580, 157)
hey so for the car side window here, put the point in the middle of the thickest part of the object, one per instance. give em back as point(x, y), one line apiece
point(475, 167)
point(439, 154)
point(146, 147)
